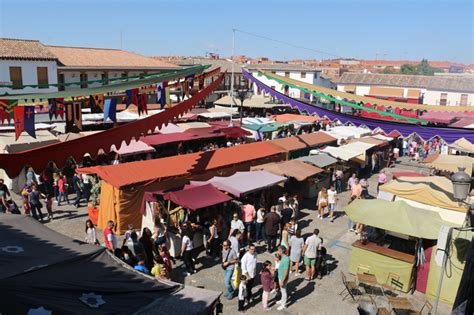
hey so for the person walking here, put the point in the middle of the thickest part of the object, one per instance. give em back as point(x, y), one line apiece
point(229, 259)
point(249, 268)
point(310, 251)
point(259, 236)
point(272, 224)
point(285, 236)
point(187, 252)
point(77, 185)
point(266, 279)
point(283, 272)
point(248, 214)
point(339, 177)
point(322, 202)
point(62, 189)
point(332, 199)
point(364, 184)
point(35, 204)
point(296, 250)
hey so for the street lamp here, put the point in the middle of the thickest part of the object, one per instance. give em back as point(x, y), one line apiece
point(461, 187)
point(243, 94)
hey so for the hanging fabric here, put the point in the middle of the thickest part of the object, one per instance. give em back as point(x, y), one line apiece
point(60, 108)
point(52, 108)
point(161, 94)
point(96, 103)
point(6, 109)
point(142, 104)
point(73, 116)
point(131, 97)
point(24, 117)
point(110, 109)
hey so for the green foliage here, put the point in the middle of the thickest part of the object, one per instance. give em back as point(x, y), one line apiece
point(423, 68)
point(389, 70)
point(408, 69)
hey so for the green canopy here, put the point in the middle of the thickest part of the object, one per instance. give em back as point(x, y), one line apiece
point(396, 216)
point(122, 86)
point(271, 127)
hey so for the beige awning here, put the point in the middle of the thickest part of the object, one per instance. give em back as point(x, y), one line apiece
point(385, 91)
point(349, 88)
point(413, 93)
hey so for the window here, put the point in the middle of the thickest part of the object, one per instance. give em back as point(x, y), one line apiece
point(303, 75)
point(42, 73)
point(105, 78)
point(287, 74)
point(61, 82)
point(83, 78)
point(444, 99)
point(463, 99)
point(16, 78)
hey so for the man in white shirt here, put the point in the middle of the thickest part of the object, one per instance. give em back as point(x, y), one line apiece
point(249, 268)
point(310, 251)
point(332, 202)
point(236, 224)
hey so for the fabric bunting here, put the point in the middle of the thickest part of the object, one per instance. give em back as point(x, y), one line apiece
point(142, 102)
point(161, 94)
point(73, 116)
point(6, 109)
point(60, 108)
point(110, 109)
point(96, 103)
point(24, 117)
point(131, 97)
point(52, 108)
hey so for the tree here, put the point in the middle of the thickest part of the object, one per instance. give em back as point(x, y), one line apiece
point(408, 69)
point(389, 70)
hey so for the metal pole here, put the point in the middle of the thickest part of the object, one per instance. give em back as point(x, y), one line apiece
point(443, 267)
point(232, 76)
point(241, 110)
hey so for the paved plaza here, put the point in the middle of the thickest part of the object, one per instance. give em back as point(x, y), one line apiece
point(320, 296)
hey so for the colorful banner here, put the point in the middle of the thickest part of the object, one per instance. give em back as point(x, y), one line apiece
point(142, 104)
point(6, 110)
point(131, 97)
point(110, 109)
point(24, 117)
point(96, 103)
point(73, 116)
point(449, 134)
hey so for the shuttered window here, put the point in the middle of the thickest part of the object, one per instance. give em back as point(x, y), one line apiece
point(16, 77)
point(42, 73)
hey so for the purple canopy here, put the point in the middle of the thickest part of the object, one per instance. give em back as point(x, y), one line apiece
point(447, 133)
point(242, 183)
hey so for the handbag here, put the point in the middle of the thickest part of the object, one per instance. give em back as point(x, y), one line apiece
point(236, 277)
point(227, 257)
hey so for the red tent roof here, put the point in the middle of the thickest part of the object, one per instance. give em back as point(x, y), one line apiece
point(181, 165)
point(191, 196)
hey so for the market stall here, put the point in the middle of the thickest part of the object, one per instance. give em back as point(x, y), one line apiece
point(451, 163)
point(171, 207)
point(303, 177)
point(320, 160)
point(393, 246)
point(463, 145)
point(244, 183)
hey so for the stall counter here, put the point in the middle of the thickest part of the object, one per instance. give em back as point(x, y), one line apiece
point(381, 261)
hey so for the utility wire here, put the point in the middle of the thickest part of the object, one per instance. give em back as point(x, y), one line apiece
point(287, 43)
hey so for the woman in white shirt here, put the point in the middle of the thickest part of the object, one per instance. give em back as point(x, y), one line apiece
point(187, 252)
point(260, 219)
point(91, 233)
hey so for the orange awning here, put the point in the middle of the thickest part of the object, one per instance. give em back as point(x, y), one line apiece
point(289, 144)
point(181, 165)
point(413, 93)
point(316, 138)
point(290, 117)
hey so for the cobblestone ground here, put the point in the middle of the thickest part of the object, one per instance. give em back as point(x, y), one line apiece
point(317, 297)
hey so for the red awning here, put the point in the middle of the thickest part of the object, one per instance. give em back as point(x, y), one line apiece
point(394, 134)
point(59, 153)
point(235, 132)
point(192, 197)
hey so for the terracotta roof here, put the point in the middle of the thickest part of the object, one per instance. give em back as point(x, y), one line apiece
point(438, 83)
point(24, 49)
point(80, 57)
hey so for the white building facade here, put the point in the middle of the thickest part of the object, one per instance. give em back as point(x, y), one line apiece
point(292, 71)
point(26, 67)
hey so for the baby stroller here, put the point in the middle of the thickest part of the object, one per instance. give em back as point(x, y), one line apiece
point(321, 266)
point(12, 207)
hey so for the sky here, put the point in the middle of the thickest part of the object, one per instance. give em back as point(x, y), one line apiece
point(364, 29)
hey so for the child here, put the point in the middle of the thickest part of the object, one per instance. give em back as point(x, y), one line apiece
point(266, 278)
point(242, 292)
point(276, 284)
